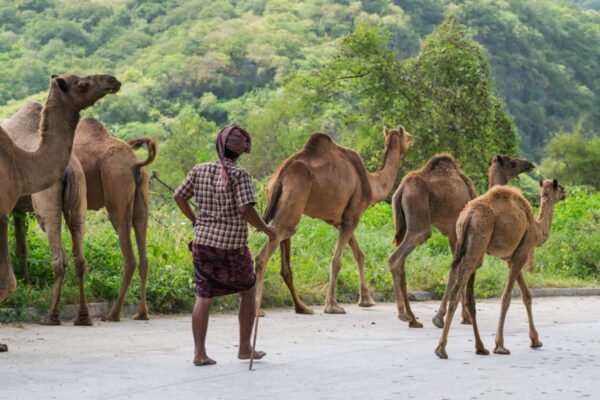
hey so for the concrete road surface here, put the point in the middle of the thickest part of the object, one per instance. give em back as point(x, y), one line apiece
point(365, 354)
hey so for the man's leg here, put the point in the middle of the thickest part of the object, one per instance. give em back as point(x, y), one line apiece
point(246, 318)
point(199, 327)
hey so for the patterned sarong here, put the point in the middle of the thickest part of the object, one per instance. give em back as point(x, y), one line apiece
point(220, 272)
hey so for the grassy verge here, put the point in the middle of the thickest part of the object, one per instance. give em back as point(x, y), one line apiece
point(570, 258)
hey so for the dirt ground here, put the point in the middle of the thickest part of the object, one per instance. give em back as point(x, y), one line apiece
point(365, 354)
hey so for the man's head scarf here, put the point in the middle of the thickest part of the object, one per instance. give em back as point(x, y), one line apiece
point(234, 138)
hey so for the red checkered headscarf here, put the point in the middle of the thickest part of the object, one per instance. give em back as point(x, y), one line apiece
point(234, 138)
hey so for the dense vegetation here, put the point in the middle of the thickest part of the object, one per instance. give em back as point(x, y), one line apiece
point(473, 78)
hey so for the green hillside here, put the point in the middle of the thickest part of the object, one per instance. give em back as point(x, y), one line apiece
point(205, 55)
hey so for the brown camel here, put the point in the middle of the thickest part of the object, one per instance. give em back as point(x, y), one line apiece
point(328, 182)
point(66, 197)
point(24, 172)
point(499, 223)
point(116, 180)
point(435, 195)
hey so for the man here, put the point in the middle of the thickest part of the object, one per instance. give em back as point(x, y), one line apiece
point(222, 262)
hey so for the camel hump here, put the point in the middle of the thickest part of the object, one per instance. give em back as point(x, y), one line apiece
point(441, 161)
point(317, 141)
point(92, 127)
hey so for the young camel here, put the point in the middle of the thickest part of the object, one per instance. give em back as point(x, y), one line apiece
point(24, 172)
point(435, 195)
point(328, 182)
point(500, 223)
point(65, 197)
point(116, 180)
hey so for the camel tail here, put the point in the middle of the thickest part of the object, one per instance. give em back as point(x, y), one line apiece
point(273, 201)
point(399, 217)
point(461, 246)
point(150, 144)
point(70, 195)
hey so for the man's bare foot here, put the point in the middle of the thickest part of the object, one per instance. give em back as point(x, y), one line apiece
point(199, 362)
point(246, 355)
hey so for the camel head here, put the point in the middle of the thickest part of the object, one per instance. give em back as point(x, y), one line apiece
point(82, 92)
point(551, 191)
point(405, 139)
point(511, 167)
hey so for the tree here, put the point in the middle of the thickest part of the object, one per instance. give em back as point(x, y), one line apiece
point(573, 159)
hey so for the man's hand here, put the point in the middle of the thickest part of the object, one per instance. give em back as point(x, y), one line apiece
point(271, 232)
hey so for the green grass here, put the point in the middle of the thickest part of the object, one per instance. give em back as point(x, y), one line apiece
point(570, 258)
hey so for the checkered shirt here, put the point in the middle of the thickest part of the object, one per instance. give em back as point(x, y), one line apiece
point(218, 222)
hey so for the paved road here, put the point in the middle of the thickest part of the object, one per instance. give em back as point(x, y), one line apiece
point(365, 354)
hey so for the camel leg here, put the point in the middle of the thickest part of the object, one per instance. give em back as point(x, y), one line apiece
point(76, 224)
point(52, 224)
point(260, 264)
point(287, 275)
point(469, 298)
point(506, 298)
point(140, 227)
point(121, 220)
point(365, 297)
point(20, 223)
point(397, 262)
point(455, 291)
point(8, 285)
point(438, 319)
point(346, 231)
point(526, 297)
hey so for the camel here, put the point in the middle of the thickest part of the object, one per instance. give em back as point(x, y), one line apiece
point(116, 180)
point(330, 183)
point(435, 195)
point(24, 172)
point(499, 223)
point(66, 197)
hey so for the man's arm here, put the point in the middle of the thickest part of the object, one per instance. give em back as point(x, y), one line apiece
point(251, 216)
point(185, 208)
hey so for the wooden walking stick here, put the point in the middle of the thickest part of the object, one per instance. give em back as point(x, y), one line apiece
point(259, 292)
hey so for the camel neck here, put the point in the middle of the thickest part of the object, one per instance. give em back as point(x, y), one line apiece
point(495, 177)
point(544, 222)
point(382, 181)
point(44, 166)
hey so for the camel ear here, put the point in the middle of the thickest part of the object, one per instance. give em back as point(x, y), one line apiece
point(555, 184)
point(400, 129)
point(541, 183)
point(500, 159)
point(386, 131)
point(53, 76)
point(62, 84)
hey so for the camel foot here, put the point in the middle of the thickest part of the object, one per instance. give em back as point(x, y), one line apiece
point(441, 353)
point(482, 352)
point(302, 309)
point(83, 319)
point(3, 348)
point(257, 355)
point(404, 317)
point(111, 318)
point(204, 361)
point(334, 309)
point(438, 321)
point(415, 324)
point(50, 320)
point(366, 301)
point(501, 350)
point(141, 316)
point(536, 343)
point(466, 321)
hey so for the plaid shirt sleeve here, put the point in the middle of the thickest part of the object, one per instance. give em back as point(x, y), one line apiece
point(243, 191)
point(186, 189)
